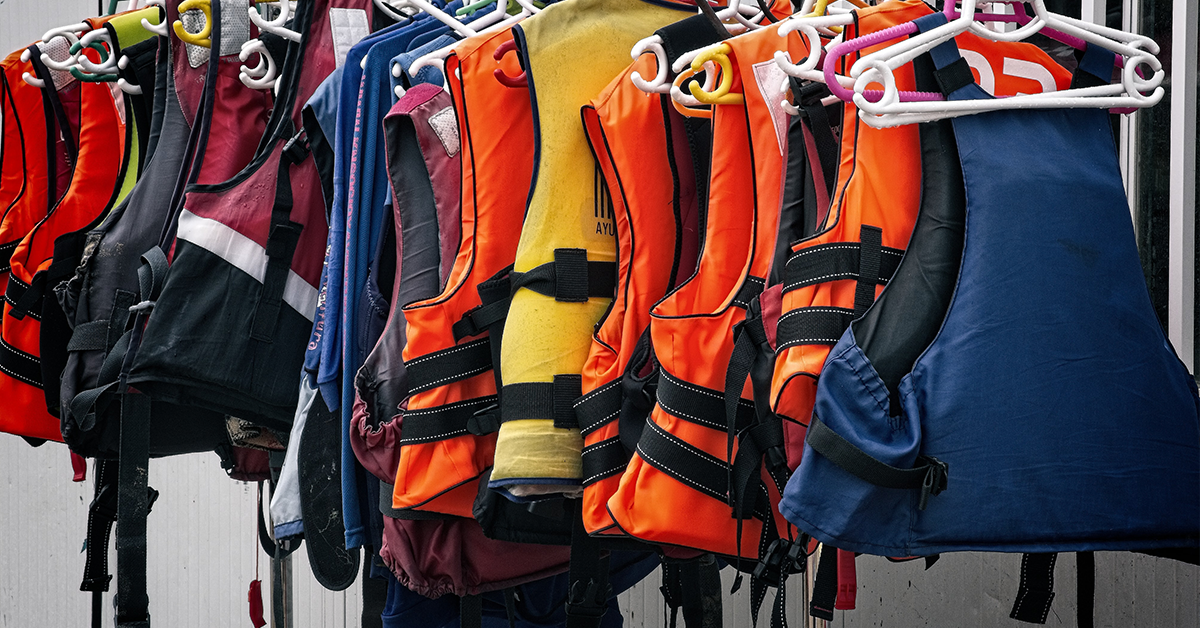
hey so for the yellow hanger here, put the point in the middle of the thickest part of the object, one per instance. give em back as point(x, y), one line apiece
point(718, 54)
point(819, 10)
point(204, 37)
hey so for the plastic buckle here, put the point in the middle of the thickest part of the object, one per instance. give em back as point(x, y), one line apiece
point(485, 420)
point(769, 568)
point(296, 149)
point(936, 477)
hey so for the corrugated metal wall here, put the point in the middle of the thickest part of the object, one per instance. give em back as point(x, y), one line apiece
point(202, 544)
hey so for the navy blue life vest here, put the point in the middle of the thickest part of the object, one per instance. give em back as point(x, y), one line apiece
point(1043, 409)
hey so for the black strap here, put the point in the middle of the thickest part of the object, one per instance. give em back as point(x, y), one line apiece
point(598, 407)
point(812, 326)
point(588, 589)
point(687, 34)
point(700, 405)
point(449, 365)
point(693, 585)
point(749, 291)
point(825, 584)
point(954, 76)
point(690, 466)
point(543, 400)
point(101, 515)
point(25, 298)
point(1085, 572)
point(132, 507)
point(20, 365)
point(281, 242)
point(836, 261)
point(603, 459)
point(470, 608)
point(816, 115)
point(449, 421)
point(869, 259)
point(639, 390)
point(570, 278)
point(1036, 591)
point(930, 475)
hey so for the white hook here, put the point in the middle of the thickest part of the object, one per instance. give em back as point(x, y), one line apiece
point(659, 84)
point(159, 29)
point(275, 26)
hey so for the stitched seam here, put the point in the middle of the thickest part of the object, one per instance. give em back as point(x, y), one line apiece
point(426, 439)
point(597, 391)
point(20, 377)
point(431, 356)
point(678, 476)
point(456, 376)
point(450, 406)
point(821, 279)
point(28, 356)
point(827, 310)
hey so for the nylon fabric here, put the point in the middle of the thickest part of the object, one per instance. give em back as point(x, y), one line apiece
point(567, 209)
point(1050, 353)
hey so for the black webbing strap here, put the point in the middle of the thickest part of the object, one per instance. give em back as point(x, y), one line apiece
point(281, 242)
point(639, 390)
point(570, 278)
point(603, 459)
point(588, 587)
point(693, 585)
point(20, 365)
point(690, 466)
point(101, 515)
point(599, 407)
point(825, 583)
point(133, 495)
point(102, 335)
point(470, 608)
point(954, 76)
point(829, 150)
point(132, 507)
point(870, 254)
point(1085, 573)
point(930, 475)
point(25, 298)
point(543, 400)
point(495, 297)
point(1036, 591)
point(778, 559)
point(700, 405)
point(449, 365)
point(752, 357)
point(812, 326)
point(449, 421)
point(152, 274)
point(748, 293)
point(836, 261)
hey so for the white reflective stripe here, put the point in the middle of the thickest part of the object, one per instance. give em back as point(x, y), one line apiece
point(246, 255)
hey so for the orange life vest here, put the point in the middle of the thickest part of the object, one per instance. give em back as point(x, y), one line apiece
point(24, 173)
point(95, 182)
point(834, 276)
point(639, 143)
point(448, 430)
point(683, 462)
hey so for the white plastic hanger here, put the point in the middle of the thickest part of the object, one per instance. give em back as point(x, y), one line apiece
point(437, 58)
point(889, 110)
point(159, 29)
point(108, 66)
point(439, 15)
point(265, 73)
point(30, 79)
point(275, 26)
point(386, 9)
point(812, 29)
point(71, 33)
point(126, 86)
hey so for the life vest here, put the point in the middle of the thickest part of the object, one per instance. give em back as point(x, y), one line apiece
point(564, 274)
point(25, 182)
point(448, 442)
point(642, 149)
point(253, 236)
point(1033, 379)
point(682, 462)
point(128, 38)
point(825, 282)
point(95, 184)
point(97, 299)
